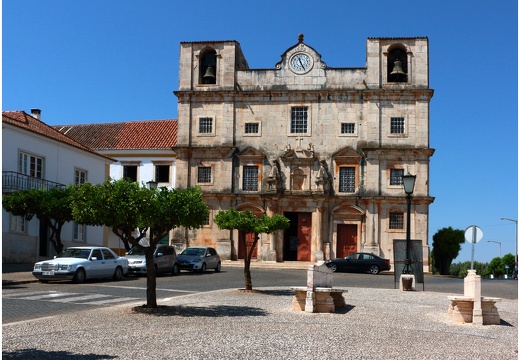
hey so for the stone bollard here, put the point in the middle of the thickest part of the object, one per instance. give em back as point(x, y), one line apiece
point(472, 289)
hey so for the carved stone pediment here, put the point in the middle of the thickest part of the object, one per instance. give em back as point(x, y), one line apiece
point(346, 156)
point(298, 156)
point(250, 153)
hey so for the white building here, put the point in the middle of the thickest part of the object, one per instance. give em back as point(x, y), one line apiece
point(142, 149)
point(36, 155)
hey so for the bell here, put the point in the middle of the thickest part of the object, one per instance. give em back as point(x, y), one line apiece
point(209, 76)
point(398, 70)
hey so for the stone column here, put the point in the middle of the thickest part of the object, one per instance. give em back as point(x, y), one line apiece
point(317, 220)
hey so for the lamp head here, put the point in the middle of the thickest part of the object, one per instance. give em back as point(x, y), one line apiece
point(152, 185)
point(409, 183)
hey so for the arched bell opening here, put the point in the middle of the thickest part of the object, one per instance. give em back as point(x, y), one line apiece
point(208, 67)
point(397, 65)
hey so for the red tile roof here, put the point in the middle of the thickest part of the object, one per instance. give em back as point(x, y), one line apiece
point(148, 134)
point(25, 121)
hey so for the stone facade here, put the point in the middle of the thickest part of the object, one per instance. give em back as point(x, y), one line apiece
point(325, 147)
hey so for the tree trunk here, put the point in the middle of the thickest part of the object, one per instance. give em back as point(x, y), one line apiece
point(151, 281)
point(247, 261)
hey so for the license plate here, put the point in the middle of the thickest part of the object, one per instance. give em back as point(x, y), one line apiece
point(48, 273)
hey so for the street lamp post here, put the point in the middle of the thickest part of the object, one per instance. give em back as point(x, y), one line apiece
point(409, 184)
point(516, 241)
point(499, 247)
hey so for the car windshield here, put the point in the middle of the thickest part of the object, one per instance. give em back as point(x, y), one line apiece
point(194, 251)
point(136, 251)
point(75, 253)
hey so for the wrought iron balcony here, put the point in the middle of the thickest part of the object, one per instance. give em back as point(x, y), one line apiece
point(13, 181)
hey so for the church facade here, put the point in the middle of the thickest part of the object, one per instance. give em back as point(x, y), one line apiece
point(325, 147)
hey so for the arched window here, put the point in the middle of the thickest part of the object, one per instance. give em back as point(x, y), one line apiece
point(397, 65)
point(208, 67)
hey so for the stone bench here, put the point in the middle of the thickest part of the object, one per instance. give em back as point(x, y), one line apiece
point(461, 309)
point(326, 299)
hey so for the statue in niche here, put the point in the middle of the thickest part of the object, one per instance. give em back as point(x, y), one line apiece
point(322, 176)
point(274, 176)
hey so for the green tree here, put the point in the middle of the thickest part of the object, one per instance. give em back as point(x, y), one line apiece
point(129, 209)
point(247, 222)
point(496, 267)
point(51, 207)
point(446, 247)
point(509, 261)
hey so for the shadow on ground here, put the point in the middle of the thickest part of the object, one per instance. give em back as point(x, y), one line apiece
point(41, 354)
point(192, 311)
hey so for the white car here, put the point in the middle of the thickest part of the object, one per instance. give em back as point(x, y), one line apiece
point(81, 263)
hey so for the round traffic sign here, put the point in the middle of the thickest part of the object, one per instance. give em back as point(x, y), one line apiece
point(473, 234)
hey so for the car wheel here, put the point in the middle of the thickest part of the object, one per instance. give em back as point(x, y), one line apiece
point(203, 268)
point(118, 274)
point(176, 270)
point(79, 276)
point(333, 267)
point(217, 269)
point(374, 269)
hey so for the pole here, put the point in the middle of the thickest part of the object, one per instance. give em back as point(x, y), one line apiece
point(407, 260)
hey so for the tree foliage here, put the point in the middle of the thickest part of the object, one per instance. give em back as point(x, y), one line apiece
point(446, 247)
point(51, 207)
point(247, 222)
point(132, 211)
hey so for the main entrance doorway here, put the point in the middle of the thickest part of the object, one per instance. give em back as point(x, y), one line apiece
point(250, 237)
point(347, 240)
point(297, 239)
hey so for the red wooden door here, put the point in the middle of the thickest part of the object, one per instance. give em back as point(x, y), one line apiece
point(250, 237)
point(347, 240)
point(304, 237)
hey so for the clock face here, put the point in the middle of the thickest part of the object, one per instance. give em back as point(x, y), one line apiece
point(300, 63)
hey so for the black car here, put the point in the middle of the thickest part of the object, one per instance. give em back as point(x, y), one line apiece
point(359, 262)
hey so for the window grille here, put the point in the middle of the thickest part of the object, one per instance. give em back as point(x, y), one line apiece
point(299, 120)
point(204, 174)
point(252, 128)
point(130, 172)
point(205, 125)
point(348, 128)
point(347, 179)
point(396, 220)
point(162, 173)
point(250, 178)
point(397, 125)
point(396, 176)
point(80, 232)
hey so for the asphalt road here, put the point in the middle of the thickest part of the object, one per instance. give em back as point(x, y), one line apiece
point(36, 300)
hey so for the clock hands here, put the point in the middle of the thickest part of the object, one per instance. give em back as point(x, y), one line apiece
point(300, 61)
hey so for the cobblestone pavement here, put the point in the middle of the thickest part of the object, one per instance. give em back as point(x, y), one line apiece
point(232, 324)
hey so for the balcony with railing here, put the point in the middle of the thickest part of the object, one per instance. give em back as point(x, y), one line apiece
point(13, 181)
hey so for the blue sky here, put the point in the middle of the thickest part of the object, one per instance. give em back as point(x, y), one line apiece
point(91, 61)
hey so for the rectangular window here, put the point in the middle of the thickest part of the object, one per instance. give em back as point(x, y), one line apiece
point(348, 128)
point(205, 125)
point(397, 125)
point(17, 224)
point(252, 128)
point(80, 177)
point(299, 120)
point(396, 220)
point(162, 173)
point(204, 174)
point(30, 165)
point(130, 172)
point(347, 179)
point(396, 176)
point(80, 232)
point(250, 178)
